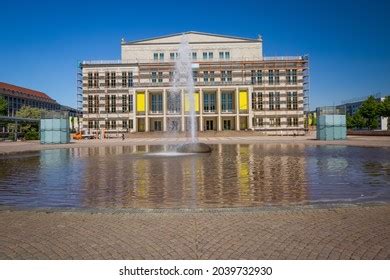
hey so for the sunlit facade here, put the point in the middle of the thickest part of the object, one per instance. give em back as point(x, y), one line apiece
point(236, 87)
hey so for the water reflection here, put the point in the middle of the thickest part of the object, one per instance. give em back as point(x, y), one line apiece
point(238, 175)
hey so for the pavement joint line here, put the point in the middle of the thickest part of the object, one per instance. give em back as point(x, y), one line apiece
point(294, 208)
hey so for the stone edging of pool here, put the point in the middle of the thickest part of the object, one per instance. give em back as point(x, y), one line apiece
point(289, 208)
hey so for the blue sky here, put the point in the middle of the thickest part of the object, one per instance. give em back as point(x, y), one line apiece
point(347, 41)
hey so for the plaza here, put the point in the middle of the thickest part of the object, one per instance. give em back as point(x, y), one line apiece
point(346, 230)
point(332, 232)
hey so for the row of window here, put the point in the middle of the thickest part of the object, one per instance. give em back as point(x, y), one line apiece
point(226, 76)
point(273, 122)
point(256, 122)
point(110, 79)
point(110, 124)
point(209, 102)
point(274, 101)
point(159, 56)
point(274, 77)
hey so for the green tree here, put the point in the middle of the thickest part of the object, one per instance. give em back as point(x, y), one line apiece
point(3, 106)
point(29, 112)
point(358, 121)
point(29, 130)
point(370, 111)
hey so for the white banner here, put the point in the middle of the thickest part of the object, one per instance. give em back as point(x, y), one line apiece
point(69, 270)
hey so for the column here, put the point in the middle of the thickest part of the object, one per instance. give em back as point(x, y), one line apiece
point(182, 110)
point(146, 111)
point(250, 114)
point(237, 110)
point(200, 109)
point(219, 109)
point(164, 99)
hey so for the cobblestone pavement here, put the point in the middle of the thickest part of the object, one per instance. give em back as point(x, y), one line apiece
point(350, 232)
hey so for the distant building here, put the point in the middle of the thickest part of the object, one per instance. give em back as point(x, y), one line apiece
point(18, 97)
point(352, 106)
point(236, 87)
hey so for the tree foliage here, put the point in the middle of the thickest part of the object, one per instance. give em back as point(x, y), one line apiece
point(3, 106)
point(370, 110)
point(29, 112)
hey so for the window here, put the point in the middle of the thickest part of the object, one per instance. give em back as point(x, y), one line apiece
point(277, 101)
point(271, 101)
point(124, 124)
point(208, 55)
point(291, 76)
point(124, 103)
point(274, 122)
point(160, 77)
point(194, 56)
point(226, 76)
point(195, 76)
point(113, 79)
point(155, 56)
point(292, 100)
point(212, 77)
point(227, 125)
point(294, 76)
point(277, 77)
point(90, 104)
point(108, 126)
point(227, 102)
point(256, 77)
point(257, 101)
point(224, 55)
point(271, 77)
point(172, 56)
point(161, 56)
point(131, 103)
point(131, 124)
point(107, 103)
point(96, 104)
point(257, 122)
point(113, 124)
point(90, 124)
point(96, 79)
point(90, 83)
point(156, 103)
point(110, 80)
point(113, 104)
point(295, 100)
point(205, 76)
point(154, 77)
point(209, 102)
point(124, 79)
point(130, 79)
point(174, 102)
point(107, 79)
point(292, 121)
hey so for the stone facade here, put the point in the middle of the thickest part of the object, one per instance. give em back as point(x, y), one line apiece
point(236, 88)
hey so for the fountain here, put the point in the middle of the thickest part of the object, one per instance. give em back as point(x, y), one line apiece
point(183, 80)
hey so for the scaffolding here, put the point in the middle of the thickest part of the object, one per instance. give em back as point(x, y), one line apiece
point(79, 96)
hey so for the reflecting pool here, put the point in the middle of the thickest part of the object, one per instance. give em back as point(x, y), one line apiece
point(237, 175)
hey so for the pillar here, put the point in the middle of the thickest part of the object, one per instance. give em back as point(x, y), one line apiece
point(237, 110)
point(219, 128)
point(164, 99)
point(200, 110)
